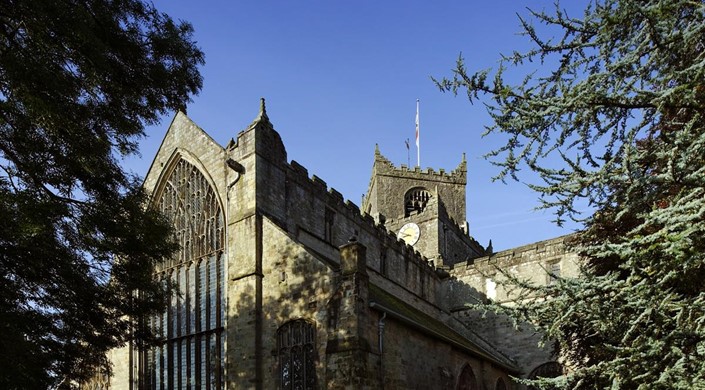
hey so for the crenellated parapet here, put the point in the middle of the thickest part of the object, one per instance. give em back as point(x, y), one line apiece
point(383, 166)
point(537, 263)
point(294, 267)
point(316, 188)
point(321, 219)
point(390, 185)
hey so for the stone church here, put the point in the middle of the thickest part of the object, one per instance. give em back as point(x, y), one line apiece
point(282, 284)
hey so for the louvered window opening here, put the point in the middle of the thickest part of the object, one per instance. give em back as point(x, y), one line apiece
point(191, 351)
point(415, 201)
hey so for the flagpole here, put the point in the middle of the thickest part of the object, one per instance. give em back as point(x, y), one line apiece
point(418, 148)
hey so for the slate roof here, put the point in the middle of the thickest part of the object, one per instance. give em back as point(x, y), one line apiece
point(383, 301)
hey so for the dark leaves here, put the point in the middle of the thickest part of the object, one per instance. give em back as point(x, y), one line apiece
point(78, 82)
point(613, 118)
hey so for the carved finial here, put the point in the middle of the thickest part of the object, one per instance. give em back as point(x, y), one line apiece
point(377, 152)
point(489, 250)
point(463, 166)
point(262, 116)
point(262, 108)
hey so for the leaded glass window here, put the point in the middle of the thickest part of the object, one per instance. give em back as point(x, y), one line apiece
point(190, 354)
point(297, 364)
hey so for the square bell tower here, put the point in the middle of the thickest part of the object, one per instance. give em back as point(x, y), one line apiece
point(425, 208)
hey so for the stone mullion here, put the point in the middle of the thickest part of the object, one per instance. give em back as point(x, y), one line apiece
point(197, 275)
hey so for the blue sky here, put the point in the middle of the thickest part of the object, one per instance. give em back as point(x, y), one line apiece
point(342, 76)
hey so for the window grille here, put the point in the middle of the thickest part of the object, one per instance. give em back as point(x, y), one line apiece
point(190, 353)
point(297, 363)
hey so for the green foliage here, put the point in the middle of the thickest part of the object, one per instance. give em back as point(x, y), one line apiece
point(79, 79)
point(618, 99)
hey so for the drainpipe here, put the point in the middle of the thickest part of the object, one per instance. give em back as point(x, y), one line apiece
point(380, 329)
point(238, 168)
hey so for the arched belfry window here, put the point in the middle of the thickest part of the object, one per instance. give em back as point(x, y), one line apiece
point(415, 200)
point(467, 379)
point(297, 362)
point(190, 353)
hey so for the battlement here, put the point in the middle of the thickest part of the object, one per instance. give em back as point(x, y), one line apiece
point(554, 247)
point(383, 166)
point(393, 189)
point(532, 263)
point(317, 216)
point(335, 200)
point(294, 253)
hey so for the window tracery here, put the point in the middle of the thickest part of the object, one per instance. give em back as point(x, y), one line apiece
point(190, 353)
point(297, 363)
point(99, 381)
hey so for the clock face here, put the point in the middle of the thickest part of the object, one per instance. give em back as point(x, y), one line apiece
point(409, 233)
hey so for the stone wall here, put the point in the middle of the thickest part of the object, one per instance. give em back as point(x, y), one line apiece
point(415, 361)
point(531, 262)
point(296, 284)
point(284, 263)
point(288, 237)
point(480, 279)
point(307, 202)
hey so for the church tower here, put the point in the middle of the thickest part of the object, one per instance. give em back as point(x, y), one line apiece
point(425, 208)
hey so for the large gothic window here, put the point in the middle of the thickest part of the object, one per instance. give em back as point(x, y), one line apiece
point(190, 353)
point(415, 200)
point(467, 380)
point(297, 363)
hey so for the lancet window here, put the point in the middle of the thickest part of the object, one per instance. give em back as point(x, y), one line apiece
point(190, 353)
point(467, 379)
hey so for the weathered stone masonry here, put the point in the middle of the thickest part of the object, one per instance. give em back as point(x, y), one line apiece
point(318, 292)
